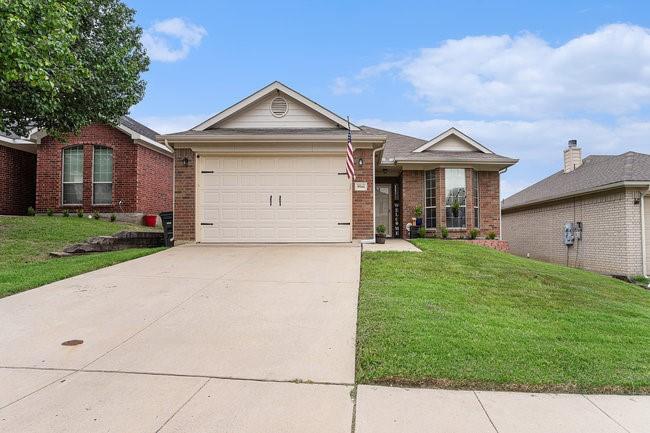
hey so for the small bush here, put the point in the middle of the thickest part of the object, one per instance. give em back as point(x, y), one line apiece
point(473, 234)
point(492, 236)
point(422, 232)
point(80, 213)
point(66, 213)
point(444, 232)
point(113, 217)
point(31, 211)
point(381, 229)
point(50, 212)
point(96, 215)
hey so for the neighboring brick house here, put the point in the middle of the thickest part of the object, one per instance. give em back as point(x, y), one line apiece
point(17, 175)
point(604, 199)
point(272, 168)
point(107, 169)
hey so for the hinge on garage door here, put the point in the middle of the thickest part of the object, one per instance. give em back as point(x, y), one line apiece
point(345, 173)
point(206, 171)
point(344, 224)
point(207, 224)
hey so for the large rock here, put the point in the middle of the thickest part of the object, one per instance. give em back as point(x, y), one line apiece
point(120, 241)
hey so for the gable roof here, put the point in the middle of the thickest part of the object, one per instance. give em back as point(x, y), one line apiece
point(597, 172)
point(265, 91)
point(453, 131)
point(400, 149)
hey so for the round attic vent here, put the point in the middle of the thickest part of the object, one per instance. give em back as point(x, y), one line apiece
point(279, 107)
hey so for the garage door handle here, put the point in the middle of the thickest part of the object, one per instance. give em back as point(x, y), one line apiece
point(280, 201)
point(270, 200)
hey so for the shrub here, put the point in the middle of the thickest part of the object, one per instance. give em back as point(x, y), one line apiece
point(444, 232)
point(491, 235)
point(422, 232)
point(66, 213)
point(31, 211)
point(96, 215)
point(381, 229)
point(113, 217)
point(418, 211)
point(80, 213)
point(50, 212)
point(473, 234)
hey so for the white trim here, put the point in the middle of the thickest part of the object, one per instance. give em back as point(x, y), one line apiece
point(374, 198)
point(644, 256)
point(457, 133)
point(274, 86)
point(144, 141)
point(18, 144)
point(272, 138)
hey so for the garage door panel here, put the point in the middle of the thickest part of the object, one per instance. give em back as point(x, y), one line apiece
point(235, 199)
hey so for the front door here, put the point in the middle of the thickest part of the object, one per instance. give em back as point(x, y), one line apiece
point(383, 204)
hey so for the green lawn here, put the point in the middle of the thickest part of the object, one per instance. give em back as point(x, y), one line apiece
point(25, 244)
point(463, 316)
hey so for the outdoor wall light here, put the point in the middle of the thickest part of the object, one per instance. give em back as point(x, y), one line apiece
point(186, 161)
point(360, 162)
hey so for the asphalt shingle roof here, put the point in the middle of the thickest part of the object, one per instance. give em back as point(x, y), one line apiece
point(595, 172)
point(138, 127)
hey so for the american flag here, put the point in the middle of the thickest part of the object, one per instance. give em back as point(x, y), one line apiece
point(350, 160)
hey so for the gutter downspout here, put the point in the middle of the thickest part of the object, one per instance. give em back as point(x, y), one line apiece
point(374, 205)
point(644, 258)
point(500, 203)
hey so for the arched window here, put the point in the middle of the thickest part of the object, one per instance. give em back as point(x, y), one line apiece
point(73, 175)
point(102, 175)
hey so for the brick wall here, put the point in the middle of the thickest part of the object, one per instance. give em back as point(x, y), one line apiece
point(362, 201)
point(132, 165)
point(412, 196)
point(17, 181)
point(184, 196)
point(493, 244)
point(611, 237)
point(489, 207)
point(155, 178)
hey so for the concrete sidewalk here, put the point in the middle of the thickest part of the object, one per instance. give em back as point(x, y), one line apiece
point(406, 410)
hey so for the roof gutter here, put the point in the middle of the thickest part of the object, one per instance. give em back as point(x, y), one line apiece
point(644, 239)
point(256, 138)
point(615, 185)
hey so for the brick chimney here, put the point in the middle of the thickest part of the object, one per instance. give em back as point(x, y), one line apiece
point(572, 156)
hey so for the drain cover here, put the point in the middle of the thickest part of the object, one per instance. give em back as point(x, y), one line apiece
point(72, 343)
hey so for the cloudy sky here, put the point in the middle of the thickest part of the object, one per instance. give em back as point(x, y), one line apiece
point(520, 77)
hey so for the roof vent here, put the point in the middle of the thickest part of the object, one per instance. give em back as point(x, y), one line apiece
point(279, 106)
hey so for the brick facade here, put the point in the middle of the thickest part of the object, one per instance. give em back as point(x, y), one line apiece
point(413, 190)
point(17, 181)
point(141, 177)
point(184, 195)
point(362, 201)
point(611, 234)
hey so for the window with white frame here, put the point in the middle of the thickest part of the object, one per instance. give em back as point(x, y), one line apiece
point(102, 175)
point(476, 198)
point(455, 197)
point(73, 175)
point(430, 199)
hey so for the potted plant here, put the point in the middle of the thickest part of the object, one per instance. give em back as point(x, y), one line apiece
point(380, 235)
point(418, 215)
point(455, 208)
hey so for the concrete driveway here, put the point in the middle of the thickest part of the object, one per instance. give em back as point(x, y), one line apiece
point(196, 338)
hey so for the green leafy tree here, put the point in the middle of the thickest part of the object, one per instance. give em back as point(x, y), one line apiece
point(67, 63)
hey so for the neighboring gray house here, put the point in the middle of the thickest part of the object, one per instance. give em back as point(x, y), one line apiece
point(604, 199)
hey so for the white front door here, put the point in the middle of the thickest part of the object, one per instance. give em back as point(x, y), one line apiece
point(273, 199)
point(383, 204)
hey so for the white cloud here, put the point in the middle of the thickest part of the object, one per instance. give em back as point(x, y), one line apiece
point(172, 39)
point(169, 124)
point(538, 144)
point(607, 72)
point(344, 86)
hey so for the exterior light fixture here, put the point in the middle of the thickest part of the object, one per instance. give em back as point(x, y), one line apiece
point(360, 162)
point(186, 161)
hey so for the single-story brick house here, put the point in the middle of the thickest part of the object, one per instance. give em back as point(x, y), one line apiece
point(272, 168)
point(604, 202)
point(109, 169)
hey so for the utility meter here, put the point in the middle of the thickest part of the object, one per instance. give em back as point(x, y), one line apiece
point(569, 236)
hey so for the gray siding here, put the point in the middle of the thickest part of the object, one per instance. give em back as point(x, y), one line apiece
point(611, 238)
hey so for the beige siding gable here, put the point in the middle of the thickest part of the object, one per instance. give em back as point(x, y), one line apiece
point(259, 115)
point(453, 143)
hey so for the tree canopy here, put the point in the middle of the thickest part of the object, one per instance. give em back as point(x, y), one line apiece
point(67, 63)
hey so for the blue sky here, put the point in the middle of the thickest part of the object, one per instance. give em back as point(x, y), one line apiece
point(520, 77)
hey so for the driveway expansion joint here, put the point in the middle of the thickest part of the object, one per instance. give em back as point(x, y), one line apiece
point(605, 413)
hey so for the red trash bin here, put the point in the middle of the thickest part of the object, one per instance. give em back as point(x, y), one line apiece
point(150, 220)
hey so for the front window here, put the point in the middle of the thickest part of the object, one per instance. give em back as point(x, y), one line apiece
point(73, 176)
point(102, 175)
point(455, 194)
point(430, 199)
point(475, 195)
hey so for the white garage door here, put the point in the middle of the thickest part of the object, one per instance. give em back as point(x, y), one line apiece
point(273, 199)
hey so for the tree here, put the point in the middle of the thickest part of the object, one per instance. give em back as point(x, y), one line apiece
point(67, 63)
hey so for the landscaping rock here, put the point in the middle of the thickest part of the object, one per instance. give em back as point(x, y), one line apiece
point(119, 241)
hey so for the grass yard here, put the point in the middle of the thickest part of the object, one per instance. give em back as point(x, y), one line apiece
point(25, 244)
point(463, 316)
